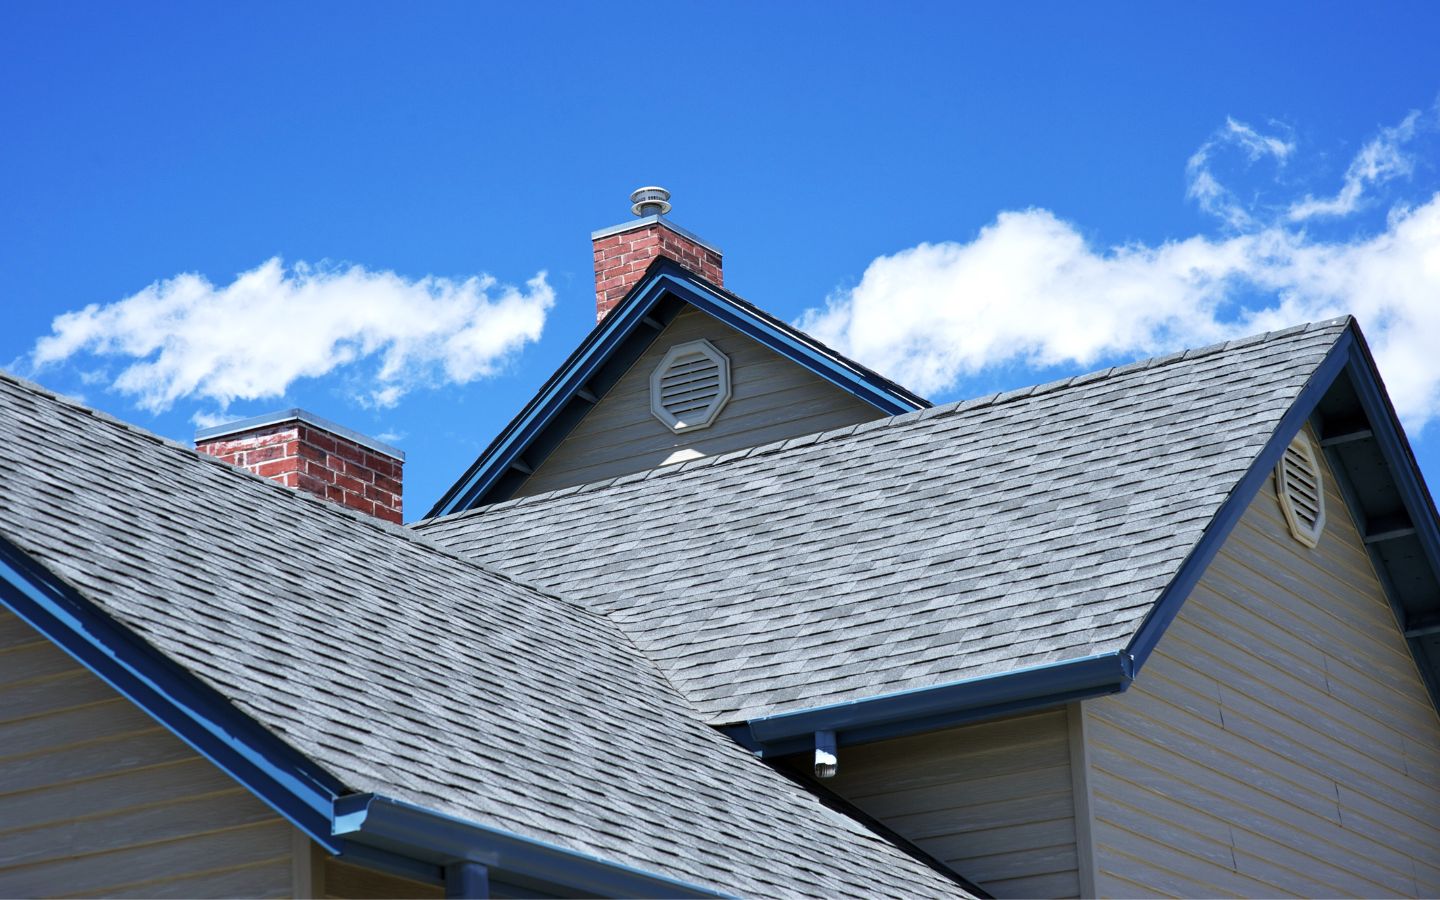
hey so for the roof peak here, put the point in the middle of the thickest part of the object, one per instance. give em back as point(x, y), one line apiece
point(1337, 324)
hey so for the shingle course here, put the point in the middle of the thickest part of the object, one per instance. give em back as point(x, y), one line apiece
point(965, 540)
point(407, 670)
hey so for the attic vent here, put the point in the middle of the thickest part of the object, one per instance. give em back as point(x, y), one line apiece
point(1302, 494)
point(690, 386)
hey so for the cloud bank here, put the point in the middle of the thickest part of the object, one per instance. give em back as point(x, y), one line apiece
point(1031, 290)
point(185, 338)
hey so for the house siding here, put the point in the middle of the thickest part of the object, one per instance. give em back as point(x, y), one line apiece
point(772, 399)
point(992, 801)
point(1279, 741)
point(348, 881)
point(97, 799)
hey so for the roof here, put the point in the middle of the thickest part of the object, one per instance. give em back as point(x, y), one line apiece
point(1005, 535)
point(404, 670)
point(614, 345)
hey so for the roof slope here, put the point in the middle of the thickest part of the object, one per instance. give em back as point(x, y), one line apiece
point(967, 540)
point(410, 672)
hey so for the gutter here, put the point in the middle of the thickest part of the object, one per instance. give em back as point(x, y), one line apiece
point(461, 846)
point(925, 709)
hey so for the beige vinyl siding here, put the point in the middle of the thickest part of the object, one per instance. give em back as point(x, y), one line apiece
point(993, 801)
point(771, 399)
point(97, 799)
point(1279, 741)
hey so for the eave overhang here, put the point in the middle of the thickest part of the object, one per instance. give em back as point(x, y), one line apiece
point(1346, 403)
point(608, 352)
point(407, 831)
point(943, 706)
point(403, 838)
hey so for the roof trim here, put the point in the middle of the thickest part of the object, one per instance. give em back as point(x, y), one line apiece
point(193, 711)
point(924, 709)
point(664, 278)
point(1153, 627)
point(281, 776)
point(378, 821)
point(943, 706)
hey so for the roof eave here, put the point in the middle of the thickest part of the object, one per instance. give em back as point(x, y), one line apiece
point(189, 708)
point(418, 833)
point(942, 706)
point(1008, 693)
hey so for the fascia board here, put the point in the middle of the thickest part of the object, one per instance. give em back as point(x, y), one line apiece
point(665, 277)
point(1233, 508)
point(572, 375)
point(191, 710)
point(941, 706)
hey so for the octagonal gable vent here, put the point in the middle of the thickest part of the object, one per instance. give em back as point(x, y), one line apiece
point(1302, 493)
point(690, 386)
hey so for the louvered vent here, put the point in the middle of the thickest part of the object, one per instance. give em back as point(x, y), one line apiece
point(1302, 494)
point(690, 386)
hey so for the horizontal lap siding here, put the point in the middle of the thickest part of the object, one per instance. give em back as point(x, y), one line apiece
point(1279, 741)
point(993, 801)
point(97, 799)
point(772, 399)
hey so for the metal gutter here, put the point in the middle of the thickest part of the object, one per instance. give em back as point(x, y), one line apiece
point(925, 709)
point(193, 711)
point(419, 833)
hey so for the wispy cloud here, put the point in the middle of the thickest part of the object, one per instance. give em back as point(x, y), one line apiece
point(1379, 161)
point(1205, 188)
point(1031, 290)
point(185, 338)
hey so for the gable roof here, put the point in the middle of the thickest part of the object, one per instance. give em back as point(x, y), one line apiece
point(927, 568)
point(413, 700)
point(614, 345)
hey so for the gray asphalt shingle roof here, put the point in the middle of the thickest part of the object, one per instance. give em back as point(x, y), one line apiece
point(408, 671)
point(966, 540)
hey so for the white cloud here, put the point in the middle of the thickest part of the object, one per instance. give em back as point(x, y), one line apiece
point(1030, 290)
point(189, 339)
point(1379, 161)
point(1206, 190)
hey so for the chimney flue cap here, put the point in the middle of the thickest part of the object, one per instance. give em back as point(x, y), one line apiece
point(650, 201)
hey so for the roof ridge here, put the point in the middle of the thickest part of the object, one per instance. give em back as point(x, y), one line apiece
point(942, 410)
point(195, 457)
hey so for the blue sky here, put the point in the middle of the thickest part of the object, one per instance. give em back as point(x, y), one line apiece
point(382, 214)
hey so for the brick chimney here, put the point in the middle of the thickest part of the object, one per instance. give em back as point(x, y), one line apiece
point(623, 252)
point(302, 450)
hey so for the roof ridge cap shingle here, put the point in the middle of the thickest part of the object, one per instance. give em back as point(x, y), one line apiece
point(953, 408)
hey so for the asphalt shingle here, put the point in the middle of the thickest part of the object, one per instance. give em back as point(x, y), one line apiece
point(966, 540)
point(407, 670)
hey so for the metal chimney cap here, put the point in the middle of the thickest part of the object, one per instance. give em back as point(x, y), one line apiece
point(650, 201)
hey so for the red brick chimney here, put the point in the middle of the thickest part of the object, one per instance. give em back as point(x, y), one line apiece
point(301, 450)
point(623, 252)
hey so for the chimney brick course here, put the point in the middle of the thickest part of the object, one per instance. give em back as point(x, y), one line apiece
point(301, 455)
point(620, 259)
